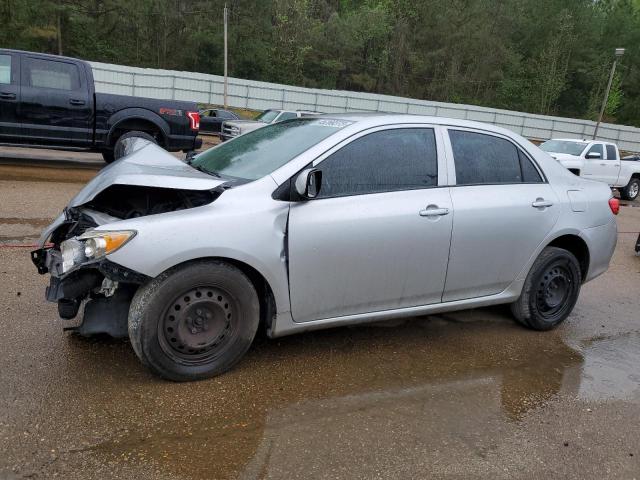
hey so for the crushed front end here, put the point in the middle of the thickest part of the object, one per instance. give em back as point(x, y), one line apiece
point(75, 256)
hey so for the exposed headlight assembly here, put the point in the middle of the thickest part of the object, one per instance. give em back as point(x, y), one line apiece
point(92, 245)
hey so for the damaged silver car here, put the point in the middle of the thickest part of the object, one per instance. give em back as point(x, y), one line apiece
point(320, 222)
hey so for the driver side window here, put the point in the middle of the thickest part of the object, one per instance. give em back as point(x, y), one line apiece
point(597, 148)
point(383, 161)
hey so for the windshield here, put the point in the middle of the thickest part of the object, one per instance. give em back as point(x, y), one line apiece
point(260, 152)
point(267, 116)
point(564, 146)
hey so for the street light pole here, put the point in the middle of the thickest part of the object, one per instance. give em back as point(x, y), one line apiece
point(619, 52)
point(225, 56)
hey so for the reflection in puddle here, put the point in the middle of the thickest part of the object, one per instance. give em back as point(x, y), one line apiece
point(611, 368)
point(368, 389)
point(21, 229)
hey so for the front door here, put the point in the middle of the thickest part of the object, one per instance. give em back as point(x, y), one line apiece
point(377, 236)
point(9, 97)
point(55, 108)
point(503, 211)
point(600, 169)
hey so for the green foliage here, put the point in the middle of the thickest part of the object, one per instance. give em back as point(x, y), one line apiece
point(541, 56)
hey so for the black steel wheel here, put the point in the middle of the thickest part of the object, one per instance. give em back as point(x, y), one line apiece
point(198, 325)
point(550, 291)
point(194, 321)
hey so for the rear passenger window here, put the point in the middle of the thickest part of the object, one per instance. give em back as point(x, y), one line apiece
point(384, 161)
point(611, 153)
point(5, 69)
point(51, 74)
point(485, 159)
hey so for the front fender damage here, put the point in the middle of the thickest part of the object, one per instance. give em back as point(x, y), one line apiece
point(105, 287)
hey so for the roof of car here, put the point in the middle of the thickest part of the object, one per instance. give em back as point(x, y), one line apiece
point(379, 119)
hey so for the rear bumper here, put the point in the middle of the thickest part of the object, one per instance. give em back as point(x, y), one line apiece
point(176, 143)
point(601, 242)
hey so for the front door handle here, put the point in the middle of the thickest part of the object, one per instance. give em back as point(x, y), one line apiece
point(434, 211)
point(7, 96)
point(74, 101)
point(541, 203)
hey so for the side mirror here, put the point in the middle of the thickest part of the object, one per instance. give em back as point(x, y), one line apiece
point(308, 183)
point(591, 155)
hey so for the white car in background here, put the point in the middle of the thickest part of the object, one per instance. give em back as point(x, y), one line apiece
point(597, 160)
point(234, 128)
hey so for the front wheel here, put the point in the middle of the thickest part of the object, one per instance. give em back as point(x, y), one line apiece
point(194, 321)
point(550, 290)
point(630, 192)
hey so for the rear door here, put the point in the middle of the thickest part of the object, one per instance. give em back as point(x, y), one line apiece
point(503, 208)
point(9, 96)
point(377, 236)
point(55, 105)
point(613, 163)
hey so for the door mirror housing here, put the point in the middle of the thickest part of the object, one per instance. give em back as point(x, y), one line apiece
point(593, 155)
point(308, 183)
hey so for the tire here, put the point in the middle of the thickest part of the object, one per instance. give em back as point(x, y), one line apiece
point(550, 290)
point(630, 192)
point(194, 321)
point(119, 149)
point(107, 156)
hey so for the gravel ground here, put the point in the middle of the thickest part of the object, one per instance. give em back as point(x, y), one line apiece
point(464, 395)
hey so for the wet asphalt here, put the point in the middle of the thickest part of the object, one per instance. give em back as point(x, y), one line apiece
point(462, 395)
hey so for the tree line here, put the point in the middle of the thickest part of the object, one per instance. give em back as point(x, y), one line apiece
point(539, 56)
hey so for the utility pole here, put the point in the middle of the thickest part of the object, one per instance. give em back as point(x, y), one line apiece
point(226, 104)
point(59, 33)
point(619, 52)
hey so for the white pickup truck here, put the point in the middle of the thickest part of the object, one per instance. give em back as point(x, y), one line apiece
point(597, 160)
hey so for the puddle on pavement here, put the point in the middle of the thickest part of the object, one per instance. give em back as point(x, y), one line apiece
point(611, 368)
point(21, 229)
point(47, 173)
point(422, 379)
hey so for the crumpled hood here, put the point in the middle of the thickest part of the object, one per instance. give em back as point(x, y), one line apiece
point(150, 166)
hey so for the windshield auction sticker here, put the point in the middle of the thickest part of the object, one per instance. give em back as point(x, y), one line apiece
point(328, 122)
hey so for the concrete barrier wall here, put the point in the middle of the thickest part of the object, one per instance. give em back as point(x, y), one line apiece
point(250, 94)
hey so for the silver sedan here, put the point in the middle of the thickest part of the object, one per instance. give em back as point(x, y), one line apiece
point(321, 222)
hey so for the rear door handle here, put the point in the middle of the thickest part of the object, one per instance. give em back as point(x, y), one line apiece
point(74, 101)
point(434, 211)
point(7, 96)
point(541, 203)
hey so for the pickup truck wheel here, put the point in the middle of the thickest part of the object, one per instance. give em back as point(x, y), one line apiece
point(195, 321)
point(119, 147)
point(630, 192)
point(550, 290)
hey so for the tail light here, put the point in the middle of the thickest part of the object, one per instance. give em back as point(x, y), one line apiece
point(614, 205)
point(194, 120)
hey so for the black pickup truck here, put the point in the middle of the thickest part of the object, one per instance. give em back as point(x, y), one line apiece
point(50, 102)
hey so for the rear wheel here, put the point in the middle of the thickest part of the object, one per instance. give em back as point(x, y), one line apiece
point(631, 191)
point(107, 156)
point(550, 290)
point(194, 321)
